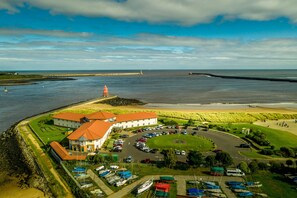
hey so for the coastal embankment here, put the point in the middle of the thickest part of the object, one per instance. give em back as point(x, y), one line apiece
point(94, 74)
point(244, 77)
point(21, 169)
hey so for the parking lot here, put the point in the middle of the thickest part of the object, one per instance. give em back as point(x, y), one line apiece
point(223, 141)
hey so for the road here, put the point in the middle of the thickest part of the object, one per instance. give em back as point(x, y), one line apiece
point(223, 141)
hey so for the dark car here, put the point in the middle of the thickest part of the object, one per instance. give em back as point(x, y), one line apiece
point(194, 133)
point(146, 161)
point(245, 146)
point(117, 149)
point(154, 150)
point(124, 136)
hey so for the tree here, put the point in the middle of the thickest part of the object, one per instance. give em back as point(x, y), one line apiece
point(210, 160)
point(224, 158)
point(287, 152)
point(170, 158)
point(263, 166)
point(195, 158)
point(244, 167)
point(253, 165)
point(289, 162)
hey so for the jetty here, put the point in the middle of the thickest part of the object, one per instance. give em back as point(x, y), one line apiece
point(95, 74)
point(244, 77)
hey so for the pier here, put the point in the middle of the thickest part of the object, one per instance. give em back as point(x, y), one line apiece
point(245, 77)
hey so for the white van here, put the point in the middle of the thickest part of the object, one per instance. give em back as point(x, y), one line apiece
point(234, 172)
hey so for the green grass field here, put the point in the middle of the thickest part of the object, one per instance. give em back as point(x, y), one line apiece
point(181, 142)
point(274, 185)
point(275, 137)
point(46, 130)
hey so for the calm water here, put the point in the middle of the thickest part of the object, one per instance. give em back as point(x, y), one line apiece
point(153, 87)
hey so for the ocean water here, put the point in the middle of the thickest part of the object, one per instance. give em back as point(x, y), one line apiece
point(169, 87)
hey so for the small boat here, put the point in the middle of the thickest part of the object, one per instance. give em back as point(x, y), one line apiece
point(262, 194)
point(213, 190)
point(212, 187)
point(210, 183)
point(104, 173)
point(234, 183)
point(246, 194)
point(5, 90)
point(145, 186)
point(240, 190)
point(238, 187)
point(218, 195)
point(121, 182)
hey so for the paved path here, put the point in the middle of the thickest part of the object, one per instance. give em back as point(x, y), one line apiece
point(99, 182)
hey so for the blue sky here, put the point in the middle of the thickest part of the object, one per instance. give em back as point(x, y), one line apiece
point(148, 34)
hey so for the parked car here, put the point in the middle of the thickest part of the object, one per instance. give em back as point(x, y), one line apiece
point(183, 152)
point(124, 136)
point(194, 133)
point(146, 161)
point(177, 152)
point(245, 146)
point(143, 139)
point(154, 150)
point(184, 132)
point(117, 149)
point(128, 159)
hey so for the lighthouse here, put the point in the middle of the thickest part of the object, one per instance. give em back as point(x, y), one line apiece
point(105, 91)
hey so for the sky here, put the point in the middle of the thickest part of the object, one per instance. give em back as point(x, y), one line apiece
point(147, 34)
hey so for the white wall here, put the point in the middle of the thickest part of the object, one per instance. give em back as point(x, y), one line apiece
point(67, 123)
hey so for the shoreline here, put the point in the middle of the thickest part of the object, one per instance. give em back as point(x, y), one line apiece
point(31, 81)
point(95, 74)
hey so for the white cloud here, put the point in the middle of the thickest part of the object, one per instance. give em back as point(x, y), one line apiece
point(186, 12)
point(51, 33)
point(149, 52)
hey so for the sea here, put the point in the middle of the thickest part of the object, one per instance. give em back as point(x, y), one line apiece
point(167, 87)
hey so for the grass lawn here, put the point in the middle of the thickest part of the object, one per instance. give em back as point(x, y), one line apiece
point(181, 142)
point(46, 130)
point(273, 185)
point(275, 137)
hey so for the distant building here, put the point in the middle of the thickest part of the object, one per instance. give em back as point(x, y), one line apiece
point(92, 130)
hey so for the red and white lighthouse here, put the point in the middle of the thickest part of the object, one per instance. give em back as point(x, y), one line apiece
point(105, 91)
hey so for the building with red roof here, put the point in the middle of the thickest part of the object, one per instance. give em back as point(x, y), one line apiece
point(60, 153)
point(92, 130)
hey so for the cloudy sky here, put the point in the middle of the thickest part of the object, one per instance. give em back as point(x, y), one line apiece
point(148, 34)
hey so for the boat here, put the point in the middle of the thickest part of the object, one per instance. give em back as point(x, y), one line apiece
point(5, 90)
point(213, 190)
point(238, 187)
point(210, 183)
point(121, 182)
point(246, 194)
point(218, 195)
point(145, 186)
point(253, 184)
point(240, 190)
point(262, 194)
point(104, 173)
point(212, 187)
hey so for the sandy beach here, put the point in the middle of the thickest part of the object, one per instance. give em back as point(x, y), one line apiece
point(206, 108)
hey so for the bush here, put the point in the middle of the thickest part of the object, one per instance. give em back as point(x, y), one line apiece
point(287, 152)
point(263, 166)
point(266, 152)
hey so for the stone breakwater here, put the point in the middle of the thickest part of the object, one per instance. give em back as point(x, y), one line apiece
point(244, 77)
point(17, 160)
point(95, 74)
